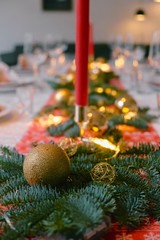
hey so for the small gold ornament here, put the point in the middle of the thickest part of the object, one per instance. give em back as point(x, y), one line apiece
point(127, 105)
point(96, 119)
point(103, 172)
point(69, 145)
point(62, 96)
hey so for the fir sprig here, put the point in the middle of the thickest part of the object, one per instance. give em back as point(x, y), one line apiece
point(69, 129)
point(137, 122)
point(81, 204)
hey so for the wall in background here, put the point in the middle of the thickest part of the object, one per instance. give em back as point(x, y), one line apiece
point(110, 18)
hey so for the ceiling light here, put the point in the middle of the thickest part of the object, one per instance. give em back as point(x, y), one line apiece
point(140, 15)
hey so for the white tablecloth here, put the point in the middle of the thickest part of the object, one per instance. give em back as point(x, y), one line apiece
point(14, 124)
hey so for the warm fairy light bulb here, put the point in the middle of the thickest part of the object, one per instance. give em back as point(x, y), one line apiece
point(130, 115)
point(111, 91)
point(121, 102)
point(102, 109)
point(105, 67)
point(50, 120)
point(99, 90)
point(89, 115)
point(120, 62)
point(70, 77)
point(105, 143)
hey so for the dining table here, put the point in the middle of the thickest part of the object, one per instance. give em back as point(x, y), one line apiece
point(15, 123)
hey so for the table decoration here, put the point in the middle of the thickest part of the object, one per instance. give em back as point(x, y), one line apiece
point(82, 41)
point(91, 43)
point(117, 182)
point(42, 210)
point(46, 164)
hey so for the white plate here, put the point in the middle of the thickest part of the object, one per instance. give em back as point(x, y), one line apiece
point(12, 85)
point(4, 110)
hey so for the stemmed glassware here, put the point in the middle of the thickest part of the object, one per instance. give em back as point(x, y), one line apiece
point(154, 51)
point(154, 61)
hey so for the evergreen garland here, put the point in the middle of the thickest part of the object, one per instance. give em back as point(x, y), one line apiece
point(137, 122)
point(69, 129)
point(81, 205)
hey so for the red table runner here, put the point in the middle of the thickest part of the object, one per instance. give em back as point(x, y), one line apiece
point(37, 133)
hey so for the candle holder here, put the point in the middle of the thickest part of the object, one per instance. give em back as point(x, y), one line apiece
point(80, 114)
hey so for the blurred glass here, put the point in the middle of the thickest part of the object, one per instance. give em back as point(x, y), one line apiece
point(28, 43)
point(25, 96)
point(145, 75)
point(154, 51)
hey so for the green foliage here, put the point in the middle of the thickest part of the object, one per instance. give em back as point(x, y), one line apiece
point(112, 134)
point(56, 85)
point(75, 209)
point(143, 113)
point(136, 122)
point(81, 211)
point(102, 98)
point(69, 129)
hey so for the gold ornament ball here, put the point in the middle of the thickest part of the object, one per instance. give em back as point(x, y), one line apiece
point(96, 118)
point(126, 104)
point(62, 96)
point(69, 145)
point(46, 164)
point(103, 172)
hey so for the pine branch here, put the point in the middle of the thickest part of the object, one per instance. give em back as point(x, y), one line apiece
point(131, 207)
point(26, 194)
point(133, 196)
point(10, 184)
point(142, 148)
point(29, 225)
point(6, 174)
point(10, 156)
point(57, 85)
point(69, 128)
point(154, 198)
point(81, 211)
point(136, 122)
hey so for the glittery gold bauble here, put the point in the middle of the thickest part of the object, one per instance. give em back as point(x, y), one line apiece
point(103, 172)
point(127, 105)
point(46, 164)
point(96, 118)
point(69, 145)
point(62, 96)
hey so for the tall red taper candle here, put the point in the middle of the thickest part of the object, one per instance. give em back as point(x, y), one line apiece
point(82, 40)
point(91, 42)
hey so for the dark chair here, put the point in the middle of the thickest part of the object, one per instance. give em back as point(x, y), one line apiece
point(9, 58)
point(101, 50)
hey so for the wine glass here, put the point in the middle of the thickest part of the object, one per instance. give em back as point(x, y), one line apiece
point(154, 61)
point(154, 51)
point(28, 43)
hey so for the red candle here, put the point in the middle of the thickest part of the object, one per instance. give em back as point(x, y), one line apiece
point(91, 43)
point(82, 39)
